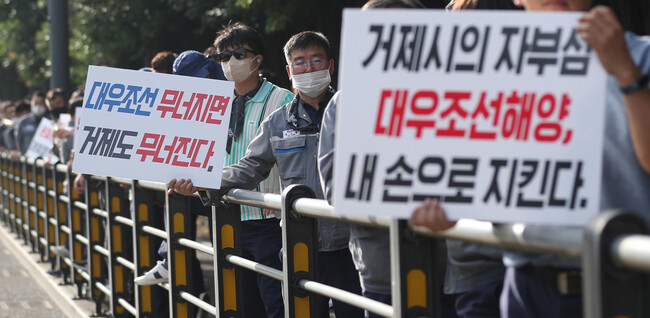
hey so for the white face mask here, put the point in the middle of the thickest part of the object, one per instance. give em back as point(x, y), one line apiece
point(39, 110)
point(311, 84)
point(238, 70)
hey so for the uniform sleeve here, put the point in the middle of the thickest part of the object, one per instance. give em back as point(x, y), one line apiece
point(254, 167)
point(326, 148)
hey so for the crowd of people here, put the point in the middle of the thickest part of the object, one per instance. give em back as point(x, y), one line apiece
point(278, 137)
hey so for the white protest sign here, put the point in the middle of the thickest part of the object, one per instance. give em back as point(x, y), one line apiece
point(499, 115)
point(43, 140)
point(152, 126)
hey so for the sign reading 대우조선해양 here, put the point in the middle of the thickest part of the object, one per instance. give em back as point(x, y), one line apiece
point(499, 115)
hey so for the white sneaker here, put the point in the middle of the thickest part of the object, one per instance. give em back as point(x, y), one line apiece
point(158, 274)
point(61, 251)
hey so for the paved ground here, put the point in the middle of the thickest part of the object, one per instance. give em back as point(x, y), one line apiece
point(26, 290)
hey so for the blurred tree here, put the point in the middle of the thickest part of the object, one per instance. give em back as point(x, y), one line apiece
point(127, 34)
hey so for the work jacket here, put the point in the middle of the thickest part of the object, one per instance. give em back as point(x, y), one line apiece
point(289, 139)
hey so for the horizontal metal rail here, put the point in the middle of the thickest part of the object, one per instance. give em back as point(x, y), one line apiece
point(102, 251)
point(81, 239)
point(81, 205)
point(42, 214)
point(256, 199)
point(126, 263)
point(123, 220)
point(103, 288)
point(41, 188)
point(43, 241)
point(196, 245)
point(63, 168)
point(154, 231)
point(64, 198)
point(632, 251)
point(152, 185)
point(65, 229)
point(254, 266)
point(84, 274)
point(51, 193)
point(121, 180)
point(561, 241)
point(100, 212)
point(33, 209)
point(198, 302)
point(347, 297)
point(127, 306)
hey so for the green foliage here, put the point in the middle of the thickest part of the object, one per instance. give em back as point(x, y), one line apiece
point(127, 33)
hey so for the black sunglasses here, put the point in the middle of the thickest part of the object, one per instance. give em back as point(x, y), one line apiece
point(224, 56)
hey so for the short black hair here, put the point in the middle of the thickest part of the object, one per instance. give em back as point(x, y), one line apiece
point(57, 92)
point(163, 62)
point(305, 40)
point(74, 103)
point(375, 4)
point(238, 34)
point(38, 94)
point(22, 107)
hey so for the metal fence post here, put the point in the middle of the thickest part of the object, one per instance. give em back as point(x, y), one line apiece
point(611, 290)
point(19, 200)
point(50, 218)
point(146, 212)
point(416, 270)
point(24, 202)
point(62, 217)
point(33, 205)
point(77, 217)
point(14, 188)
point(226, 225)
point(96, 233)
point(3, 188)
point(41, 214)
point(118, 247)
point(299, 254)
point(179, 258)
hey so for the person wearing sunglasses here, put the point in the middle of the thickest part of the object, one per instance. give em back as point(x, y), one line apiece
point(288, 140)
point(239, 49)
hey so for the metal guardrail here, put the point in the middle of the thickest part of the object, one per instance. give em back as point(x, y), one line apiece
point(40, 205)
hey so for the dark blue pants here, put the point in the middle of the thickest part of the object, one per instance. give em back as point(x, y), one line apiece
point(481, 302)
point(261, 242)
point(383, 298)
point(337, 270)
point(528, 296)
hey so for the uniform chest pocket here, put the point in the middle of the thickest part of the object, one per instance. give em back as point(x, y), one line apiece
point(290, 155)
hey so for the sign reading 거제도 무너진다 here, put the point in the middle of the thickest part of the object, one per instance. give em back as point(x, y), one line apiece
point(499, 115)
point(152, 126)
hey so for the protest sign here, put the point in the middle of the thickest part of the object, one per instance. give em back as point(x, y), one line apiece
point(43, 140)
point(499, 115)
point(152, 126)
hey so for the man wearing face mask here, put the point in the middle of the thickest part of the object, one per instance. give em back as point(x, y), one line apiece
point(26, 127)
point(239, 50)
point(288, 139)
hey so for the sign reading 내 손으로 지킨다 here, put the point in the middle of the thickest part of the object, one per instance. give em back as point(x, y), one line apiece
point(499, 115)
point(152, 126)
